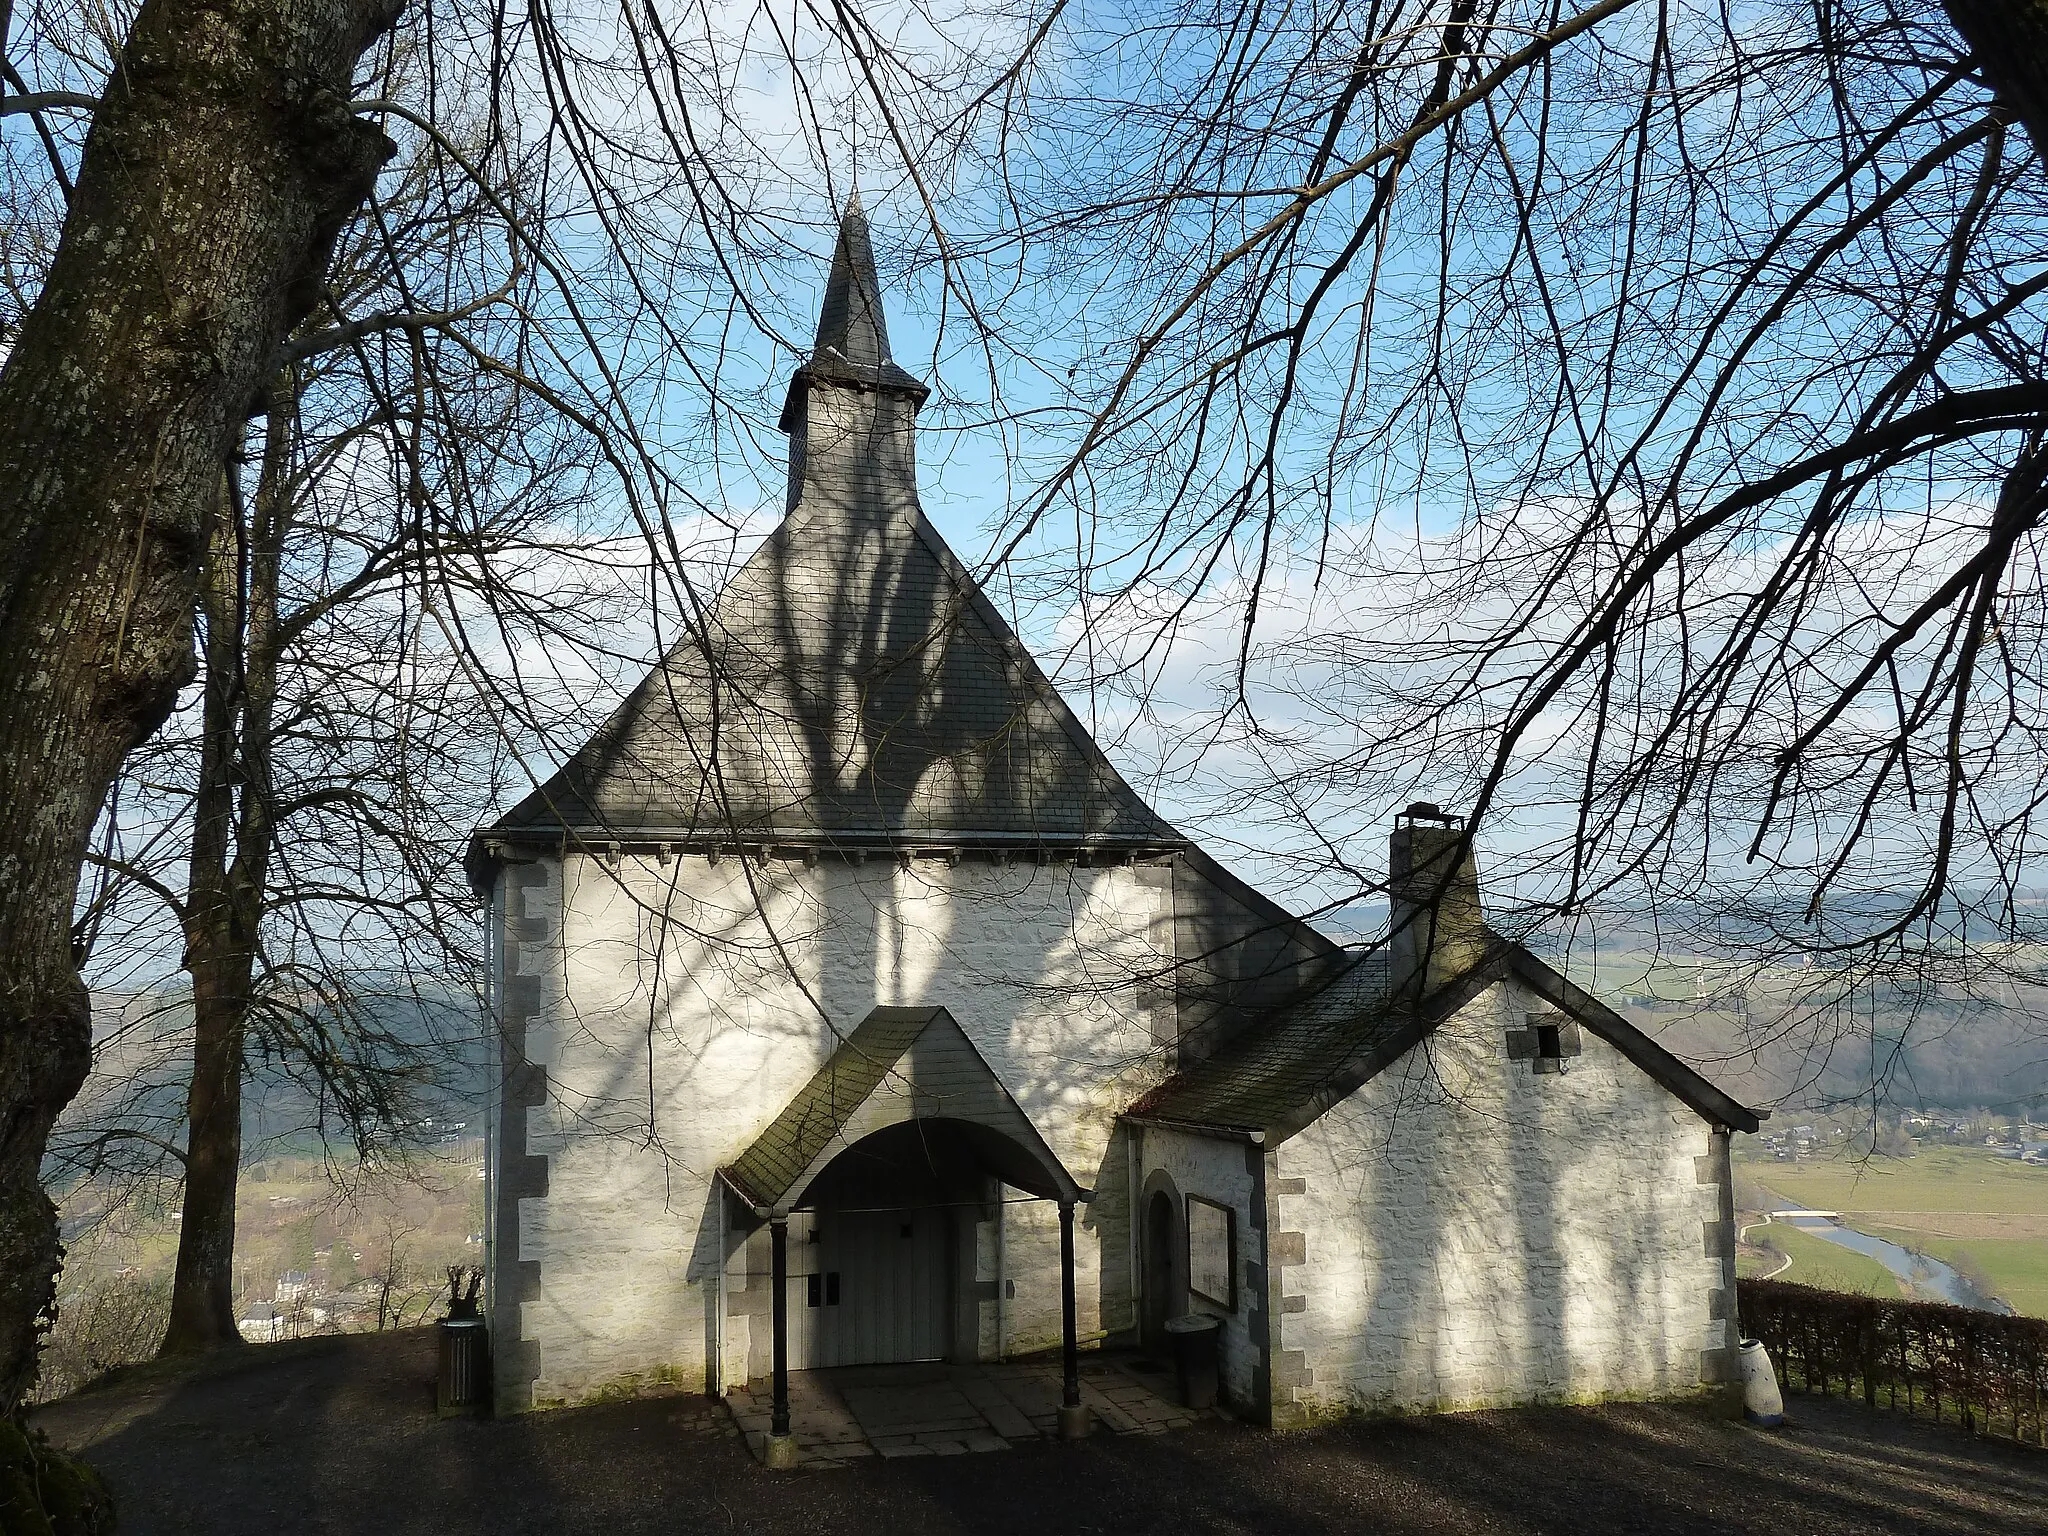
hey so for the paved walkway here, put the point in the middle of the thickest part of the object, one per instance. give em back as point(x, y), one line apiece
point(945, 1410)
point(338, 1437)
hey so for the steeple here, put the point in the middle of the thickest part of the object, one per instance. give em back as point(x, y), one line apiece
point(852, 346)
point(851, 322)
point(852, 682)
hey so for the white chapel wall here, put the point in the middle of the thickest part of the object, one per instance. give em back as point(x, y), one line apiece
point(1464, 1232)
point(1215, 1168)
point(671, 1041)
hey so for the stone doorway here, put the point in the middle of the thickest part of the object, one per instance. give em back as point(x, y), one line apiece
point(1165, 1294)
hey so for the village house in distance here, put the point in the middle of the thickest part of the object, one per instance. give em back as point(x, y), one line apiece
point(854, 1009)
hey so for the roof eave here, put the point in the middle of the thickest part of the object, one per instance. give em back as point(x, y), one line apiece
point(1220, 1130)
point(887, 839)
point(1502, 958)
point(835, 372)
point(1685, 1084)
point(1424, 1018)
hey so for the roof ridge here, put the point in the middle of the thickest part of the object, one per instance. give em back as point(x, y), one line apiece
point(1300, 1079)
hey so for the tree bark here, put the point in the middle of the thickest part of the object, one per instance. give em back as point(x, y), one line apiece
point(233, 829)
point(221, 164)
point(220, 960)
point(2009, 41)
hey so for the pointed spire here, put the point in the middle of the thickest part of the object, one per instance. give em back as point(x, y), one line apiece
point(851, 322)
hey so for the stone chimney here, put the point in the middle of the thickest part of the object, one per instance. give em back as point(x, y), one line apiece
point(1437, 930)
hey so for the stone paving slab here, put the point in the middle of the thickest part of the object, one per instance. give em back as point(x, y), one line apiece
point(937, 1409)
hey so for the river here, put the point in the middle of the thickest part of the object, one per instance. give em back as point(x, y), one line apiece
point(1926, 1277)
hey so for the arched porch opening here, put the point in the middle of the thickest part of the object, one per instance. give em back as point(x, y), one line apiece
point(1165, 1287)
point(889, 1241)
point(903, 1127)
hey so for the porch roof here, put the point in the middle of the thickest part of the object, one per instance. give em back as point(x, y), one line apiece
point(898, 1064)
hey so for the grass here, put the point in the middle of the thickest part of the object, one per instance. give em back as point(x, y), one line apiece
point(1830, 1266)
point(1945, 1187)
point(2013, 1269)
point(1937, 1179)
point(1756, 1266)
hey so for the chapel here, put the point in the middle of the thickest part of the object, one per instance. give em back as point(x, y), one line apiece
point(852, 1008)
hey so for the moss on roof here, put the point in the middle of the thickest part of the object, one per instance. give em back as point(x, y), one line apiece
point(1264, 1075)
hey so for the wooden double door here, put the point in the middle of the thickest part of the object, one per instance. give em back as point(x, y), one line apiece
point(877, 1289)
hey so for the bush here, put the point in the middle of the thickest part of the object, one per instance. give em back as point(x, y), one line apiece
point(103, 1323)
point(1984, 1369)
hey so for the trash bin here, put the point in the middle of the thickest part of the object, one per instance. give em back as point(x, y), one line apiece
point(1194, 1337)
point(465, 1366)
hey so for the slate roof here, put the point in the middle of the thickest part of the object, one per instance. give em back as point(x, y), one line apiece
point(850, 682)
point(1282, 1075)
point(851, 320)
point(1261, 1076)
point(807, 1124)
point(772, 1170)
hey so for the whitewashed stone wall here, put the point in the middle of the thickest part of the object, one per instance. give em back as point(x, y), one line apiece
point(687, 1000)
point(1223, 1171)
point(1463, 1232)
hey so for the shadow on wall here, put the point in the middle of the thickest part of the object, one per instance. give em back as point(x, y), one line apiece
point(849, 785)
point(1513, 1242)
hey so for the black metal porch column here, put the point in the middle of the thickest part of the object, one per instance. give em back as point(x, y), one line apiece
point(1073, 1417)
point(778, 1249)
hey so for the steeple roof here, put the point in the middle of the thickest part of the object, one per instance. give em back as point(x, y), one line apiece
point(852, 344)
point(851, 321)
point(851, 683)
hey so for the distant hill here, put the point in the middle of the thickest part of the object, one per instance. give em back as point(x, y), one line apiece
point(1950, 1054)
point(1939, 1051)
point(430, 1052)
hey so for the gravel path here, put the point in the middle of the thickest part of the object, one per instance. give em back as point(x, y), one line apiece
point(335, 1437)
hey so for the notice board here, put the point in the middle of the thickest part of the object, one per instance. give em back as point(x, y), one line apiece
point(1212, 1251)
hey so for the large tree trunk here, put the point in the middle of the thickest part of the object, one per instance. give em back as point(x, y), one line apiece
point(2009, 40)
point(232, 833)
point(220, 165)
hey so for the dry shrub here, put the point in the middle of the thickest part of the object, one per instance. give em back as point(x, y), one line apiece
point(106, 1321)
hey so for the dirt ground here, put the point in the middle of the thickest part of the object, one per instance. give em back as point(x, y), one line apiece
point(334, 1437)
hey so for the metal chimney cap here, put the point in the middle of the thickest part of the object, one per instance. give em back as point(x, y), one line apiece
point(1424, 810)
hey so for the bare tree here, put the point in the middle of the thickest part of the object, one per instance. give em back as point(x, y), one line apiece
point(1687, 363)
point(223, 152)
point(1648, 403)
point(300, 824)
point(242, 143)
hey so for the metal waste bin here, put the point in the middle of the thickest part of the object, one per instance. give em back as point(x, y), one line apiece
point(465, 1366)
point(1194, 1337)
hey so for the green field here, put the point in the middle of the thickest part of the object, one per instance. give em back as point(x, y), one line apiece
point(2013, 1269)
point(1984, 1214)
point(1830, 1266)
point(1938, 1179)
